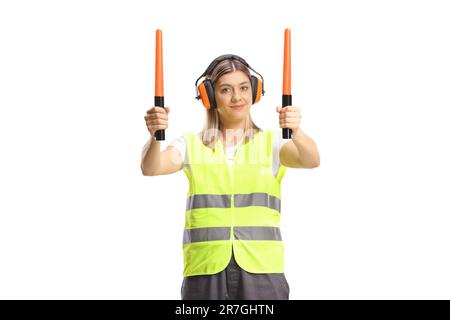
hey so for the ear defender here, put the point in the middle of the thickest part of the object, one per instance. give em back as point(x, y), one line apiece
point(257, 89)
point(205, 90)
point(206, 94)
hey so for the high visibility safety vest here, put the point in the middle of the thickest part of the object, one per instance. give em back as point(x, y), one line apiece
point(234, 208)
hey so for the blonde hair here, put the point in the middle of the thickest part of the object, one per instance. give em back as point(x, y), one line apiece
point(212, 129)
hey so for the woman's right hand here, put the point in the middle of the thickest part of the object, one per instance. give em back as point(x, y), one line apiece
point(157, 119)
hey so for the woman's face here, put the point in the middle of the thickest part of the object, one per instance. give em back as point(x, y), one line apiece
point(233, 93)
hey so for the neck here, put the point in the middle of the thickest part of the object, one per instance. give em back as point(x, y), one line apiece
point(232, 133)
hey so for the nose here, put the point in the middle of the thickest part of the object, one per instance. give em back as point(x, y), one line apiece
point(236, 96)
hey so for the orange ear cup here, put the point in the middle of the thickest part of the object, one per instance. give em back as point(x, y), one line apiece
point(256, 89)
point(206, 93)
point(259, 91)
point(204, 96)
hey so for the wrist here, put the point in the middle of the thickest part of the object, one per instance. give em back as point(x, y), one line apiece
point(296, 133)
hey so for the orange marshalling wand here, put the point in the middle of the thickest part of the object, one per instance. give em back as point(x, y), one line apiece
point(287, 97)
point(159, 80)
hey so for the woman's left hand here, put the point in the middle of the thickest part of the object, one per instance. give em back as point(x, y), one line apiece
point(290, 117)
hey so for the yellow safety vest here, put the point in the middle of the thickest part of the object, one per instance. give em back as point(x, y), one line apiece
point(233, 208)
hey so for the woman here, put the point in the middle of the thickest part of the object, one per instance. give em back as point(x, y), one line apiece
point(232, 244)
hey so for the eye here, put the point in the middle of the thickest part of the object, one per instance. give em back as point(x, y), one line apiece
point(244, 88)
point(225, 90)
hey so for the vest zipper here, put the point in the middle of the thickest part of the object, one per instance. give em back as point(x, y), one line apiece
point(231, 174)
point(231, 170)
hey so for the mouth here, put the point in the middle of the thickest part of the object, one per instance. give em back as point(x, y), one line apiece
point(238, 106)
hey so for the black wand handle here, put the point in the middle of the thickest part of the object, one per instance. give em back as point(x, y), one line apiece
point(287, 101)
point(160, 134)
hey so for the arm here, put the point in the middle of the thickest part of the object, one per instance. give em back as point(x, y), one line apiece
point(154, 162)
point(301, 151)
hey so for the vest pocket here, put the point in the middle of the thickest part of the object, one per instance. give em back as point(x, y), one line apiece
point(259, 256)
point(206, 257)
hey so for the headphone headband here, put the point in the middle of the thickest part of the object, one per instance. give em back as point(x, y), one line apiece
point(222, 58)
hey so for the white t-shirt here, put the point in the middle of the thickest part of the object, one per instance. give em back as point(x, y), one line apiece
point(277, 142)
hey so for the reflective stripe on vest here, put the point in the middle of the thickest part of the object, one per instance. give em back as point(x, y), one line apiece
point(206, 234)
point(208, 201)
point(260, 199)
point(257, 199)
point(223, 233)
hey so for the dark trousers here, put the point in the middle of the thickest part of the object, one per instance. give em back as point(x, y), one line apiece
point(234, 283)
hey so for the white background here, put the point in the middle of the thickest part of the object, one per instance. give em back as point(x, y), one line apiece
point(79, 221)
